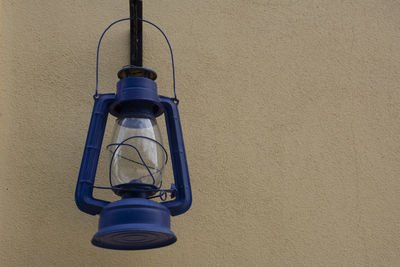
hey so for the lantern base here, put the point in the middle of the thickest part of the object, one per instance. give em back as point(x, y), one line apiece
point(134, 224)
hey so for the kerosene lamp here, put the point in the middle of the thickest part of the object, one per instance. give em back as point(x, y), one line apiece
point(137, 156)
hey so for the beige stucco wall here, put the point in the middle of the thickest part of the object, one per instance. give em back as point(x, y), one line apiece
point(291, 116)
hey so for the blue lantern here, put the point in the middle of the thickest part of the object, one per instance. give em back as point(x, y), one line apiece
point(137, 161)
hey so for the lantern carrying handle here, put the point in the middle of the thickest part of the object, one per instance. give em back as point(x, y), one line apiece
point(96, 94)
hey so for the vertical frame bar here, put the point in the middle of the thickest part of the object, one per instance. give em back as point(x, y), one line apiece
point(183, 199)
point(84, 188)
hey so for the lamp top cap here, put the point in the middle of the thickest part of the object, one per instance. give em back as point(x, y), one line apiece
point(134, 71)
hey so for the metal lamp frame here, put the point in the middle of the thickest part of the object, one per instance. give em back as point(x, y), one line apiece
point(84, 198)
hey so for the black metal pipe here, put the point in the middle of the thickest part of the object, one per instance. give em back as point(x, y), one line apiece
point(136, 32)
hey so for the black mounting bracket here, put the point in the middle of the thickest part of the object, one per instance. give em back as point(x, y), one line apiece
point(136, 33)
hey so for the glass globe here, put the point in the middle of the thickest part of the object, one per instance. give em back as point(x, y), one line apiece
point(137, 155)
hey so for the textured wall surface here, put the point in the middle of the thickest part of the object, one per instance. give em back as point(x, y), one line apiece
point(291, 116)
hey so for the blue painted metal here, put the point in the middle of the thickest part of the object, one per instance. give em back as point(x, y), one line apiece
point(136, 96)
point(183, 199)
point(105, 102)
point(132, 224)
point(84, 188)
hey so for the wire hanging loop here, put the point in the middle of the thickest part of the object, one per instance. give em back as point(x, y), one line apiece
point(141, 162)
point(96, 95)
point(163, 193)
